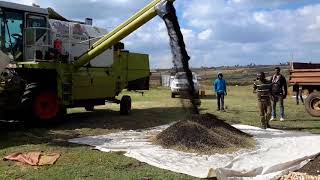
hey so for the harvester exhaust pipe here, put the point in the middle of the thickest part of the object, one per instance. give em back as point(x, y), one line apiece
point(122, 31)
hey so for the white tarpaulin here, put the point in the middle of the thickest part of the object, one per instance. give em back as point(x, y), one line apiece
point(277, 153)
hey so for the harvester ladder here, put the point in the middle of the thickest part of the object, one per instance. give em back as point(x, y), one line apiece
point(67, 88)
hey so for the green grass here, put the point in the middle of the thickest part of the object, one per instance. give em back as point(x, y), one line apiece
point(242, 108)
point(153, 109)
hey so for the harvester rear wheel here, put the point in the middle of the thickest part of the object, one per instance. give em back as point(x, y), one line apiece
point(41, 104)
point(125, 105)
point(312, 104)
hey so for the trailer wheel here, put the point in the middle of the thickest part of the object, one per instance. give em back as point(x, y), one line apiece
point(312, 104)
point(125, 105)
point(41, 105)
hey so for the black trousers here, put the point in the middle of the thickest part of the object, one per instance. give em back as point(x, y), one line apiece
point(299, 94)
point(220, 101)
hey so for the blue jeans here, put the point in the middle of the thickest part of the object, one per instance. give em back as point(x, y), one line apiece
point(277, 98)
point(220, 101)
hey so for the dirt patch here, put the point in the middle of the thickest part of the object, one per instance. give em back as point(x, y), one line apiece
point(133, 166)
point(312, 168)
point(205, 134)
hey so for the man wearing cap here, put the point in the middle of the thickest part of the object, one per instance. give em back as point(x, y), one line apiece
point(263, 89)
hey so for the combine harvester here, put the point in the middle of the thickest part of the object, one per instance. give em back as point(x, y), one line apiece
point(49, 64)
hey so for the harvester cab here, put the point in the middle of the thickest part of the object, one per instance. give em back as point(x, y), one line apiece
point(19, 25)
point(49, 63)
point(29, 34)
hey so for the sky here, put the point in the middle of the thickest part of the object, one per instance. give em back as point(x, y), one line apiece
point(216, 32)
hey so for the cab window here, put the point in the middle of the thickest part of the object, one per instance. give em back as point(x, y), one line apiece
point(11, 26)
point(35, 28)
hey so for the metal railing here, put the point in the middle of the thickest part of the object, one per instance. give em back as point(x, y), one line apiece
point(37, 41)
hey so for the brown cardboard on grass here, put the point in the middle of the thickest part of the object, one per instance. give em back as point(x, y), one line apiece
point(204, 134)
point(34, 158)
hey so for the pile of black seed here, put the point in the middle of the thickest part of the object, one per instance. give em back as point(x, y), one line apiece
point(203, 133)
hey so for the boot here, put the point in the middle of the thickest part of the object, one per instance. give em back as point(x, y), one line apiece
point(268, 125)
point(263, 124)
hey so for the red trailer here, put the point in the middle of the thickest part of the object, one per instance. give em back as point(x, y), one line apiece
point(307, 76)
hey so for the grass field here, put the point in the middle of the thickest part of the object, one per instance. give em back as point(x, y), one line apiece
point(153, 109)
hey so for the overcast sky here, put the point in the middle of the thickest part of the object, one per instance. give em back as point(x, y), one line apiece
point(217, 32)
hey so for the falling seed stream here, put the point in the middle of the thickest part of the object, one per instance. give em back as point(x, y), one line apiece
point(179, 53)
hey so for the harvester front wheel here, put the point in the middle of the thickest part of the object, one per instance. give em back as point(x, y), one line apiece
point(312, 104)
point(125, 105)
point(41, 104)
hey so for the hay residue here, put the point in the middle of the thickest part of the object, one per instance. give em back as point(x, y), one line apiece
point(204, 134)
point(298, 176)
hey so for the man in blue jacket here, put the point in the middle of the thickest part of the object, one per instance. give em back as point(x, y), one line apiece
point(220, 89)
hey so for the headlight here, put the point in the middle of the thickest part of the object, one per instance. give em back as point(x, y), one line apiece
point(173, 84)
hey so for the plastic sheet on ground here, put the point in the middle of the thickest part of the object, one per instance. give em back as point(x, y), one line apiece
point(277, 153)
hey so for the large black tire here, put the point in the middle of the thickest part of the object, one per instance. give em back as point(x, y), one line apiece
point(125, 105)
point(312, 104)
point(41, 106)
point(173, 95)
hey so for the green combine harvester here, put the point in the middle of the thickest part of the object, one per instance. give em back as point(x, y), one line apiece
point(49, 63)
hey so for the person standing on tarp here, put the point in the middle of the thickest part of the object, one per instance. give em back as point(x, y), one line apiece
point(220, 88)
point(263, 89)
point(279, 93)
